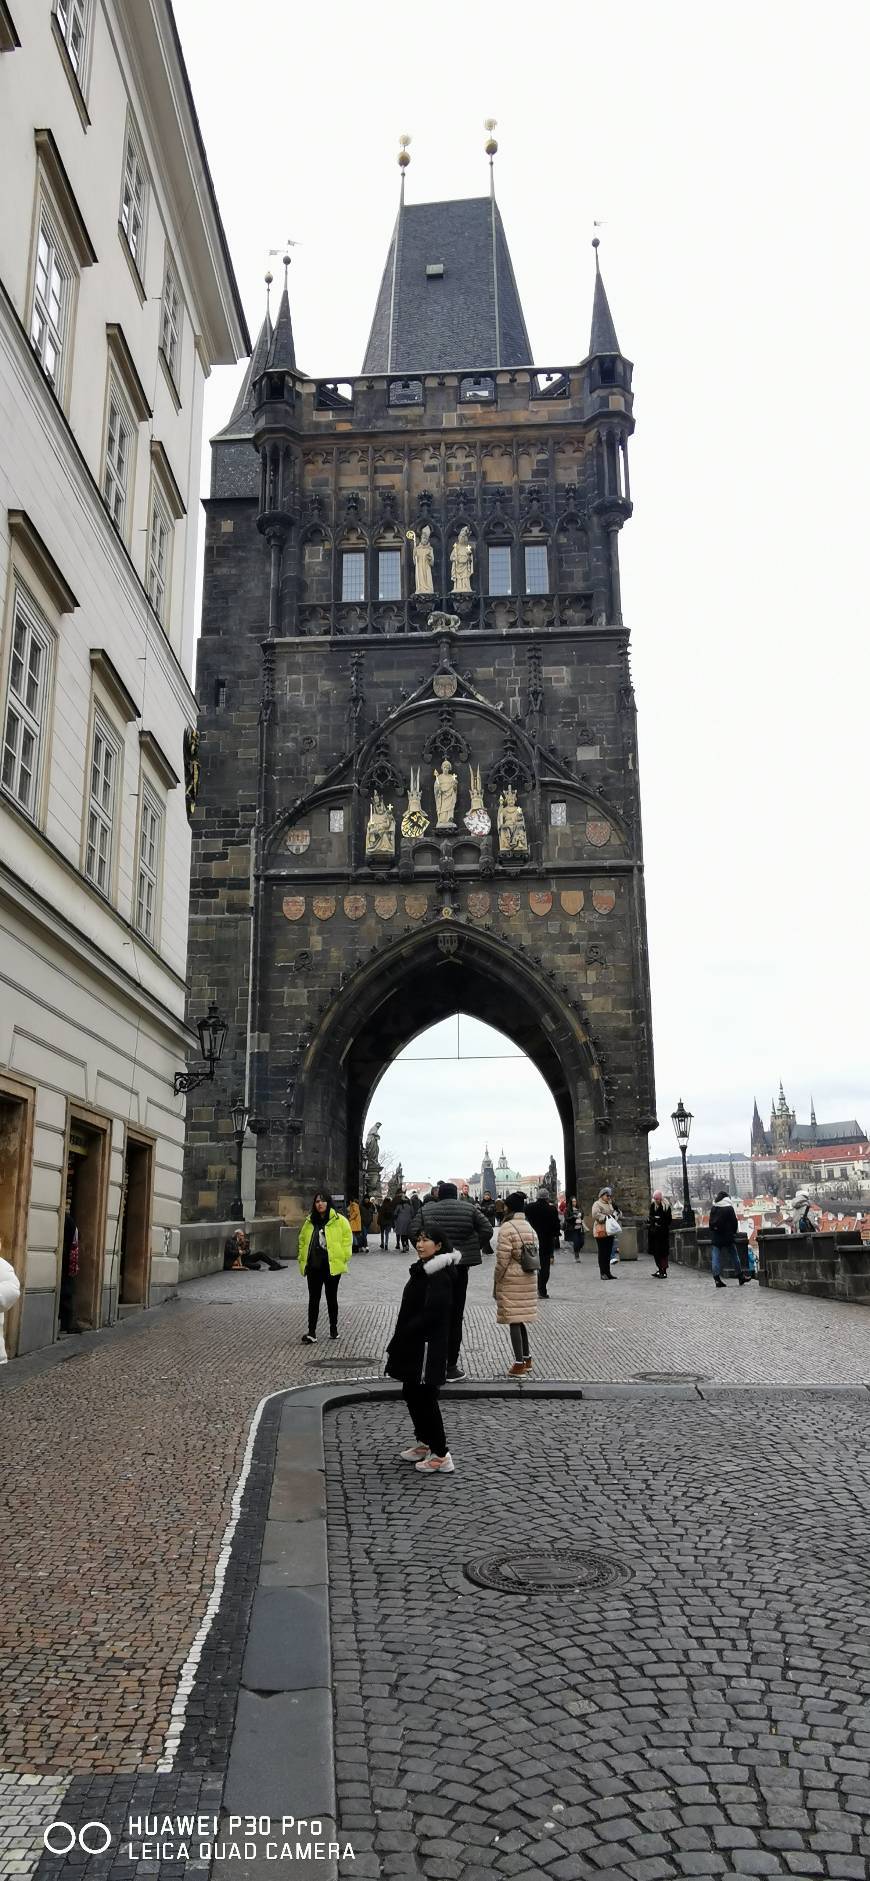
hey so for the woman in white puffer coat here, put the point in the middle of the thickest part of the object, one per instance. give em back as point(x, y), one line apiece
point(10, 1292)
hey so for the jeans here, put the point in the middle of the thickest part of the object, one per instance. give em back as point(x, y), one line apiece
point(425, 1413)
point(519, 1341)
point(320, 1280)
point(460, 1289)
point(385, 1238)
point(578, 1237)
point(604, 1249)
point(729, 1247)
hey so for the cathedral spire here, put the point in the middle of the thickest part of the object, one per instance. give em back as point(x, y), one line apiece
point(602, 338)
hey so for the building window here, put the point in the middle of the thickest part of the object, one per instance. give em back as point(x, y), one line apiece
point(159, 558)
point(389, 574)
point(336, 822)
point(119, 450)
point(149, 867)
point(26, 703)
point(133, 201)
point(537, 568)
point(170, 322)
point(72, 18)
point(101, 807)
point(50, 302)
point(353, 575)
point(558, 815)
point(500, 570)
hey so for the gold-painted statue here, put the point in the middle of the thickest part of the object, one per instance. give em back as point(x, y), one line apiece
point(512, 838)
point(415, 822)
point(381, 828)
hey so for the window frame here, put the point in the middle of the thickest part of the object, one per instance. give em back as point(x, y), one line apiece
point(25, 611)
point(536, 548)
point(150, 806)
point(158, 510)
point(127, 423)
point(359, 555)
point(395, 554)
point(133, 145)
point(102, 728)
point(84, 9)
point(499, 548)
point(175, 323)
point(47, 228)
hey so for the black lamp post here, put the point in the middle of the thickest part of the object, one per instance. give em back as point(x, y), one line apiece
point(241, 1118)
point(212, 1035)
point(681, 1118)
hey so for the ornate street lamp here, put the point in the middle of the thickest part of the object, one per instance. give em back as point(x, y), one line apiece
point(241, 1117)
point(212, 1035)
point(681, 1118)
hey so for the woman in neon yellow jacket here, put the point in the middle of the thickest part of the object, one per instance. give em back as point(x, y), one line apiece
point(325, 1247)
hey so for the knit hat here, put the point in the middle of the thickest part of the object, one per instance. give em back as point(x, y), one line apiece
point(515, 1202)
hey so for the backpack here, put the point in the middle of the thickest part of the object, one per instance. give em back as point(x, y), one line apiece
point(530, 1256)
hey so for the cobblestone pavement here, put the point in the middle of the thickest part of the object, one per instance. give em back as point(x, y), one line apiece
point(120, 1462)
point(710, 1715)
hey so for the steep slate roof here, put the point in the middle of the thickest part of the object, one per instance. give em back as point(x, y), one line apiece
point(849, 1131)
point(603, 336)
point(241, 422)
point(282, 352)
point(447, 322)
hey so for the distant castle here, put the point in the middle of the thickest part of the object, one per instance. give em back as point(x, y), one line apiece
point(786, 1133)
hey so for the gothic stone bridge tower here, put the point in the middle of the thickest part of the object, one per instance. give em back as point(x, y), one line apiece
point(340, 902)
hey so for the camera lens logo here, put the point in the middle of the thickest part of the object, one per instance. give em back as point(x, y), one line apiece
point(60, 1837)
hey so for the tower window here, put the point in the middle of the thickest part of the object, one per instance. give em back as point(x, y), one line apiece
point(537, 569)
point(607, 371)
point(389, 574)
point(353, 575)
point(500, 569)
point(336, 822)
point(558, 815)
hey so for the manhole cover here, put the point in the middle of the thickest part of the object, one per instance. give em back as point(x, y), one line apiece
point(346, 1363)
point(670, 1378)
point(559, 1568)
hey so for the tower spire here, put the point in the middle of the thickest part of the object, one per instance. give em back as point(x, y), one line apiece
point(602, 338)
point(491, 147)
point(282, 352)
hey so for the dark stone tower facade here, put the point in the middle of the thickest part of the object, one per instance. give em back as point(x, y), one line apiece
point(343, 896)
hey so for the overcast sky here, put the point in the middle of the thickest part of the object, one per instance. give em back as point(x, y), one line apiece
point(723, 151)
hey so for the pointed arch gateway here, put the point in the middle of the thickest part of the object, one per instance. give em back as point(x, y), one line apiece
point(425, 977)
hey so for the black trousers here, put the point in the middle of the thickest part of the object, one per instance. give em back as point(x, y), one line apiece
point(425, 1414)
point(604, 1246)
point(544, 1274)
point(320, 1280)
point(519, 1341)
point(454, 1342)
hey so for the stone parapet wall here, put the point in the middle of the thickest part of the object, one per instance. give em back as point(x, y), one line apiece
point(202, 1244)
point(832, 1266)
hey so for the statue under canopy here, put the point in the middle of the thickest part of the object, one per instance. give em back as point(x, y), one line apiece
point(381, 828)
point(511, 823)
point(446, 789)
point(424, 560)
point(462, 562)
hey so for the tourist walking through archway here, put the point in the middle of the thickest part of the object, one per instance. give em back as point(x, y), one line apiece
point(514, 1286)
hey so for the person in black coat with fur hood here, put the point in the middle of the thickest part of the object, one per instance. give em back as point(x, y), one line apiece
point(417, 1352)
point(723, 1234)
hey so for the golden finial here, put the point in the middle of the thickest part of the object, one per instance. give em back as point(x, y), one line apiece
point(404, 158)
point(268, 278)
point(491, 145)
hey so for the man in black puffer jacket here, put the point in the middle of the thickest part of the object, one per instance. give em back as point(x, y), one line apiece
point(467, 1229)
point(543, 1216)
point(723, 1233)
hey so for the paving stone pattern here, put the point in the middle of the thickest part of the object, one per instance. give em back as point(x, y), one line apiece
point(709, 1717)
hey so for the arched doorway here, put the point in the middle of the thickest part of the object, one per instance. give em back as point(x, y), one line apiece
point(402, 989)
point(462, 1102)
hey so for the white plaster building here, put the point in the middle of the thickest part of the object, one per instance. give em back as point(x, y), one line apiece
point(117, 296)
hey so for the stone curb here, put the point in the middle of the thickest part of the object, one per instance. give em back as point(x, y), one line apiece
point(282, 1755)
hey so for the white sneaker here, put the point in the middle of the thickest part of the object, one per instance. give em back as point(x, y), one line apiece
point(417, 1453)
point(436, 1465)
